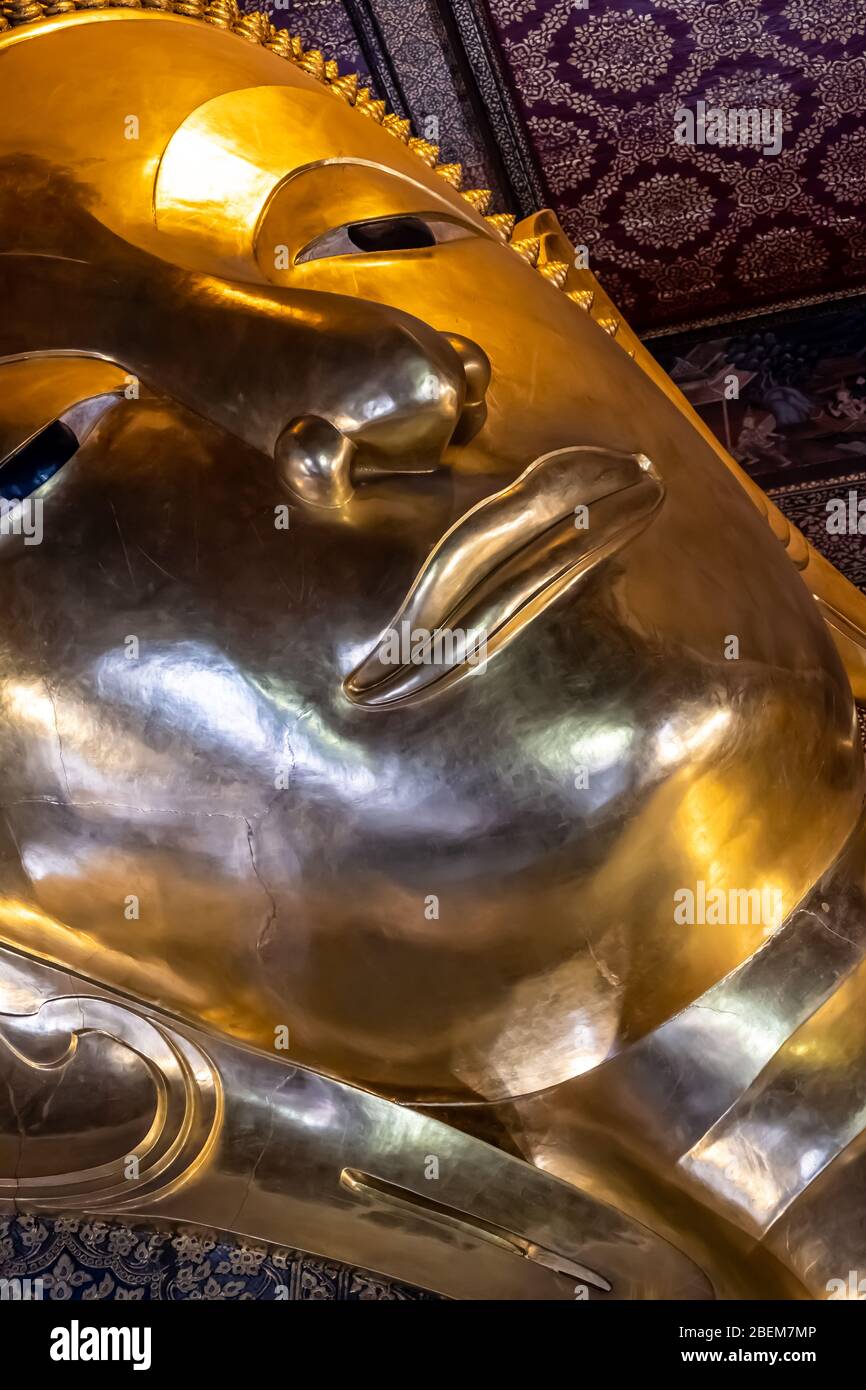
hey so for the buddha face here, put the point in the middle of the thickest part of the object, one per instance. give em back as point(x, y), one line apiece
point(327, 425)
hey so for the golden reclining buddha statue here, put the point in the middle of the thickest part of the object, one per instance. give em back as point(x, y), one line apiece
point(431, 783)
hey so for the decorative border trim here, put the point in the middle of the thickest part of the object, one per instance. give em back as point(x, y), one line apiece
point(813, 484)
point(765, 311)
point(372, 44)
point(488, 82)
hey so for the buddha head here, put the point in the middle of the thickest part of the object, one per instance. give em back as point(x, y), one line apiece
point(397, 647)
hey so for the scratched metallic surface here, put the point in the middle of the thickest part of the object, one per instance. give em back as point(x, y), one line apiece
point(450, 883)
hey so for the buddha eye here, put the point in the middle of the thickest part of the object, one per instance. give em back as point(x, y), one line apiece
point(27, 468)
point(377, 234)
point(391, 234)
point(38, 460)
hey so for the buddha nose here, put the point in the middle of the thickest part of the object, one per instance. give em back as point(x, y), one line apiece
point(476, 370)
point(439, 400)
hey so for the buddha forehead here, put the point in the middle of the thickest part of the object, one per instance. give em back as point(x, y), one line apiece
point(191, 133)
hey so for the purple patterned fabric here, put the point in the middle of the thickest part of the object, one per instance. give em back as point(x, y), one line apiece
point(677, 233)
point(83, 1259)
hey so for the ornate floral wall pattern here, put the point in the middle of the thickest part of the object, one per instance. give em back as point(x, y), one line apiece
point(680, 233)
point(79, 1259)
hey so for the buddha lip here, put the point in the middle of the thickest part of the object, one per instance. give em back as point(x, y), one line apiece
point(501, 564)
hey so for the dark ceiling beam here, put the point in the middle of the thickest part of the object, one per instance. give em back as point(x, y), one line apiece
point(377, 55)
point(488, 84)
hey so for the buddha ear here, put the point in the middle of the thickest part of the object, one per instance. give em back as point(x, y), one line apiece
point(49, 403)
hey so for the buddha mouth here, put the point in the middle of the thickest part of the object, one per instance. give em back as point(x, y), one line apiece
point(501, 565)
